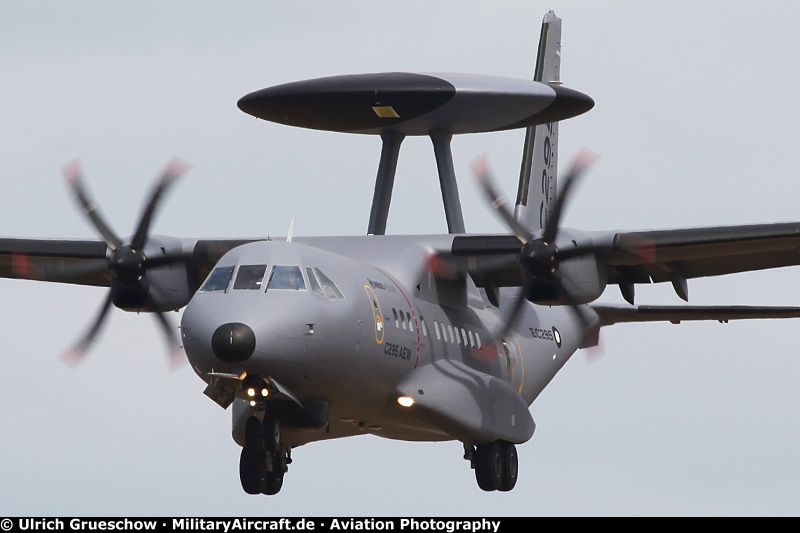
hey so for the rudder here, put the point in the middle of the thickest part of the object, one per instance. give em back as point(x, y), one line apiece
point(537, 181)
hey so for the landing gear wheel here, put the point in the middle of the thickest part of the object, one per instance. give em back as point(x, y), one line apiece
point(488, 461)
point(273, 480)
point(251, 468)
point(254, 433)
point(272, 433)
point(510, 466)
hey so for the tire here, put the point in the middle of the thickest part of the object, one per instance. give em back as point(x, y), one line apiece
point(510, 466)
point(251, 468)
point(272, 433)
point(254, 433)
point(273, 481)
point(488, 461)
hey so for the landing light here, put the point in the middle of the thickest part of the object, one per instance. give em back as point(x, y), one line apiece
point(405, 401)
point(251, 392)
point(265, 392)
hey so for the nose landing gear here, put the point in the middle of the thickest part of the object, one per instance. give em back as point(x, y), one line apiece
point(496, 465)
point(264, 459)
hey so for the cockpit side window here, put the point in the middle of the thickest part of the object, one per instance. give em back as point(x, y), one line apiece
point(313, 283)
point(329, 288)
point(250, 277)
point(286, 277)
point(218, 280)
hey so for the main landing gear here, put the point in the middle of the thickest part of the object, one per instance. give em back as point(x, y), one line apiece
point(496, 464)
point(264, 458)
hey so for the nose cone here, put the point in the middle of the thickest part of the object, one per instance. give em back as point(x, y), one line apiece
point(234, 342)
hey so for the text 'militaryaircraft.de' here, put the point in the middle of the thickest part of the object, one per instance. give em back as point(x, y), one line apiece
point(417, 338)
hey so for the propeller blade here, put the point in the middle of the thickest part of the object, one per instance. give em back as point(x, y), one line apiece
point(175, 356)
point(23, 267)
point(75, 355)
point(638, 247)
point(489, 352)
point(450, 266)
point(575, 307)
point(539, 258)
point(171, 173)
point(73, 175)
point(512, 316)
point(590, 332)
point(72, 272)
point(167, 259)
point(576, 171)
point(126, 264)
point(481, 172)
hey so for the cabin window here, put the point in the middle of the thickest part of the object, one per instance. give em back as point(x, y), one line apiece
point(464, 337)
point(403, 319)
point(436, 329)
point(478, 340)
point(471, 339)
point(250, 277)
point(424, 327)
point(396, 318)
point(410, 322)
point(450, 334)
point(218, 280)
point(286, 277)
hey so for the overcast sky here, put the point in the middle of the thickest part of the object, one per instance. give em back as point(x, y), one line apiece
point(695, 124)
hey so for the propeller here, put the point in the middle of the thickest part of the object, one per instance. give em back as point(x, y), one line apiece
point(126, 262)
point(540, 257)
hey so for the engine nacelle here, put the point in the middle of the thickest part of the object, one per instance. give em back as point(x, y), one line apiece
point(585, 277)
point(163, 288)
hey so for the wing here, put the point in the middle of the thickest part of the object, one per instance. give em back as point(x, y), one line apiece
point(615, 314)
point(673, 255)
point(155, 286)
point(84, 262)
point(682, 254)
point(50, 260)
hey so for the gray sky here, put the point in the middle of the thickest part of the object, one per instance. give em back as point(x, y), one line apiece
point(694, 124)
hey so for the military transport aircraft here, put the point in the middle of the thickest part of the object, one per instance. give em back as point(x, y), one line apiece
point(419, 338)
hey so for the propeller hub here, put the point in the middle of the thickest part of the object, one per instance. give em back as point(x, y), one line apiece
point(127, 264)
point(540, 258)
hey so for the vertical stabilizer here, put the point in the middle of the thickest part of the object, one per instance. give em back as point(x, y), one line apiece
point(537, 180)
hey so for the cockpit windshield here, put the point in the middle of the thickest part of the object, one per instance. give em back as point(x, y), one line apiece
point(280, 277)
point(250, 277)
point(218, 280)
point(286, 277)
